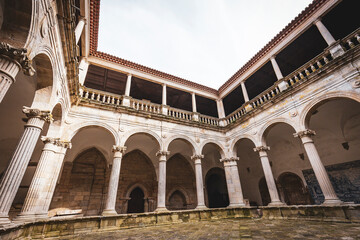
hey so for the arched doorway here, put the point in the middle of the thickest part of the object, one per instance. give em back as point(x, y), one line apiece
point(216, 188)
point(136, 202)
point(293, 190)
point(264, 192)
point(177, 201)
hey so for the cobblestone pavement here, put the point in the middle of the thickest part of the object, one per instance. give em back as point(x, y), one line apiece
point(236, 229)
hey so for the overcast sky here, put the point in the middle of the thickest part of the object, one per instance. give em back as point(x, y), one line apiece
point(204, 41)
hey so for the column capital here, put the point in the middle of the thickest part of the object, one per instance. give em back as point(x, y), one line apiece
point(197, 156)
point(120, 149)
point(162, 153)
point(305, 133)
point(261, 149)
point(36, 113)
point(19, 56)
point(56, 141)
point(230, 159)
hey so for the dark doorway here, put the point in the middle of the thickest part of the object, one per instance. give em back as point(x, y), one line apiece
point(177, 201)
point(136, 202)
point(264, 192)
point(216, 188)
point(293, 189)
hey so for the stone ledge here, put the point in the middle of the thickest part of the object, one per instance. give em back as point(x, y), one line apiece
point(72, 226)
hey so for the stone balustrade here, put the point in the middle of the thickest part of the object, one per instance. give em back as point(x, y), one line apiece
point(291, 81)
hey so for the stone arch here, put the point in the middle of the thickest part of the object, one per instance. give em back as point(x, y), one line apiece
point(137, 185)
point(74, 129)
point(292, 189)
point(309, 108)
point(218, 145)
point(237, 139)
point(185, 138)
point(182, 192)
point(148, 132)
point(266, 128)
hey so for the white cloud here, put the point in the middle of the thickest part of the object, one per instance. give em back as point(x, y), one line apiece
point(204, 41)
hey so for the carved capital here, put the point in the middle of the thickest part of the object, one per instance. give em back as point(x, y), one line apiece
point(56, 141)
point(230, 159)
point(119, 149)
point(36, 113)
point(305, 133)
point(261, 149)
point(162, 153)
point(197, 156)
point(19, 56)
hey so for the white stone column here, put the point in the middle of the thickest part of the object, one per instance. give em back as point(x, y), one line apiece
point(319, 169)
point(20, 159)
point(114, 181)
point(164, 108)
point(126, 98)
point(39, 196)
point(236, 198)
point(79, 29)
point(128, 85)
point(274, 195)
point(276, 68)
point(199, 181)
point(162, 181)
point(193, 98)
point(220, 108)
point(336, 50)
point(11, 61)
point(245, 94)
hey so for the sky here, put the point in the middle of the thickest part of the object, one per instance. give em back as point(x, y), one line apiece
point(204, 41)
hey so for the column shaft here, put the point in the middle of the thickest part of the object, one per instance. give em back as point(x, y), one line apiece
point(18, 164)
point(79, 29)
point(114, 183)
point(320, 172)
point(236, 198)
point(220, 108)
point(164, 94)
point(162, 181)
point(325, 32)
point(245, 94)
point(193, 102)
point(276, 68)
point(8, 71)
point(199, 181)
point(128, 85)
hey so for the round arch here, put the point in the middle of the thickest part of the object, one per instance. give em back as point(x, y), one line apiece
point(305, 113)
point(263, 131)
point(218, 145)
point(133, 132)
point(73, 130)
point(237, 139)
point(187, 139)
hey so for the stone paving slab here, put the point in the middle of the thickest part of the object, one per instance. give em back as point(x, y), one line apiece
point(235, 229)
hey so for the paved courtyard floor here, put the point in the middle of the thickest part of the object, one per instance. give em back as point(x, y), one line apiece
point(236, 229)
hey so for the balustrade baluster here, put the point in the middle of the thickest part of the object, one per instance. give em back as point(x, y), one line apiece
point(117, 101)
point(296, 78)
point(301, 75)
point(112, 100)
point(98, 97)
point(326, 60)
point(104, 98)
point(92, 96)
point(87, 94)
point(108, 99)
point(307, 72)
point(313, 69)
point(351, 44)
point(319, 64)
point(357, 38)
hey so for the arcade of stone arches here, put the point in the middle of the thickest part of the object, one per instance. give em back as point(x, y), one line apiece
point(143, 173)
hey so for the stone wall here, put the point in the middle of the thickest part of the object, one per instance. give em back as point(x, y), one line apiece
point(345, 178)
point(82, 184)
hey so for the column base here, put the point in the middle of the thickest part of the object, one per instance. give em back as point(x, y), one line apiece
point(200, 207)
point(25, 217)
point(332, 202)
point(235, 205)
point(276, 203)
point(161, 209)
point(5, 221)
point(109, 212)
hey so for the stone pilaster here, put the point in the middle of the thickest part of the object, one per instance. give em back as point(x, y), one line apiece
point(11, 61)
point(319, 169)
point(274, 195)
point(162, 181)
point(236, 198)
point(19, 161)
point(199, 181)
point(114, 181)
point(38, 198)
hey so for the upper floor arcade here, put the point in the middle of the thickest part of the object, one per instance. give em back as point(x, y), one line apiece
point(315, 43)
